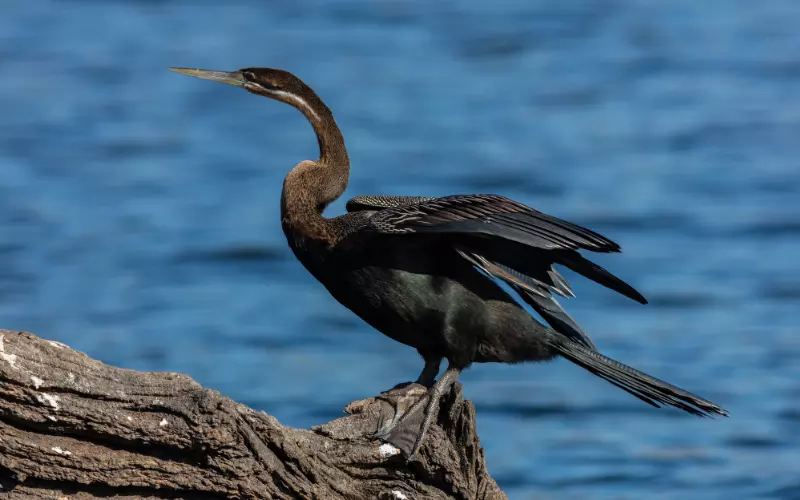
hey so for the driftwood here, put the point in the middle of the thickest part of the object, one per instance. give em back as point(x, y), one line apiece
point(72, 427)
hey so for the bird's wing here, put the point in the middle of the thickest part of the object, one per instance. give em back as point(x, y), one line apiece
point(520, 238)
point(382, 202)
point(490, 216)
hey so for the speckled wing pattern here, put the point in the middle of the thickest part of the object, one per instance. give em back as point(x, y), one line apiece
point(381, 202)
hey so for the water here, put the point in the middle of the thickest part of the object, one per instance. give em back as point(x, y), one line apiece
point(139, 209)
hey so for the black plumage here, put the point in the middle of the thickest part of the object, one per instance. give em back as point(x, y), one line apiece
point(424, 270)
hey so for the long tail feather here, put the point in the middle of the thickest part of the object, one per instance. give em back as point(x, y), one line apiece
point(645, 387)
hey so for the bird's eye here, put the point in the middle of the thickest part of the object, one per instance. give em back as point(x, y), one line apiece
point(249, 75)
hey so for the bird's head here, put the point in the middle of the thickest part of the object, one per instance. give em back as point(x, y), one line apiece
point(273, 83)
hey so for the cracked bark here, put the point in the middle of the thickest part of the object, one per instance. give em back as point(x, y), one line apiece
point(73, 427)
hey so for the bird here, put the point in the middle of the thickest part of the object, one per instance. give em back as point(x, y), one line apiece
point(427, 271)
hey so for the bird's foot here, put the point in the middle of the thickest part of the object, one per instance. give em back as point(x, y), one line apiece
point(405, 430)
point(400, 398)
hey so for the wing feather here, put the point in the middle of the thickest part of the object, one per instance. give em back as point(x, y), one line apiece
point(382, 202)
point(536, 294)
point(490, 215)
point(523, 240)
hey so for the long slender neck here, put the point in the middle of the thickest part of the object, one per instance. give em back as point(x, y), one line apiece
point(312, 186)
point(332, 151)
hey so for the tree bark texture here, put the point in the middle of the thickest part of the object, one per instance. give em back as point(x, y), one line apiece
point(73, 427)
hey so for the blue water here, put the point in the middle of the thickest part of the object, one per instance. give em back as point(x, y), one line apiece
point(139, 209)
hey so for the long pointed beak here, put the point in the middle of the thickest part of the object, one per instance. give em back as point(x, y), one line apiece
point(229, 77)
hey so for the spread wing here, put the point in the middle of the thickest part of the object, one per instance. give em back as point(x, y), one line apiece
point(490, 216)
point(506, 240)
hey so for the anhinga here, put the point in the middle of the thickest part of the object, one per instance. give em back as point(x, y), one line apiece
point(422, 270)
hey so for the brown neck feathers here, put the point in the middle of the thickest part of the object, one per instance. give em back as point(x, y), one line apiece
point(311, 186)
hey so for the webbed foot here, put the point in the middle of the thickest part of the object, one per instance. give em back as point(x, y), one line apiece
point(406, 430)
point(401, 398)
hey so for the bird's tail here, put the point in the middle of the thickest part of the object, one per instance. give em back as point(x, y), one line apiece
point(649, 389)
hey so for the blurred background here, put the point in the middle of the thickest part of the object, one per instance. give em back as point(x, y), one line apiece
point(139, 209)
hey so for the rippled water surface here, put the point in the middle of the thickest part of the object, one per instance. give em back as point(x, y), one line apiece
point(139, 209)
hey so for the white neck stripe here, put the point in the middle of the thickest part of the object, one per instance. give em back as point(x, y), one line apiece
point(297, 100)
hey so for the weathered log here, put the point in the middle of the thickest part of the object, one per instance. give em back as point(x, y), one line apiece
point(73, 427)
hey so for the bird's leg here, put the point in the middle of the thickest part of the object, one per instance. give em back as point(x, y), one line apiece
point(400, 396)
point(409, 432)
point(428, 375)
